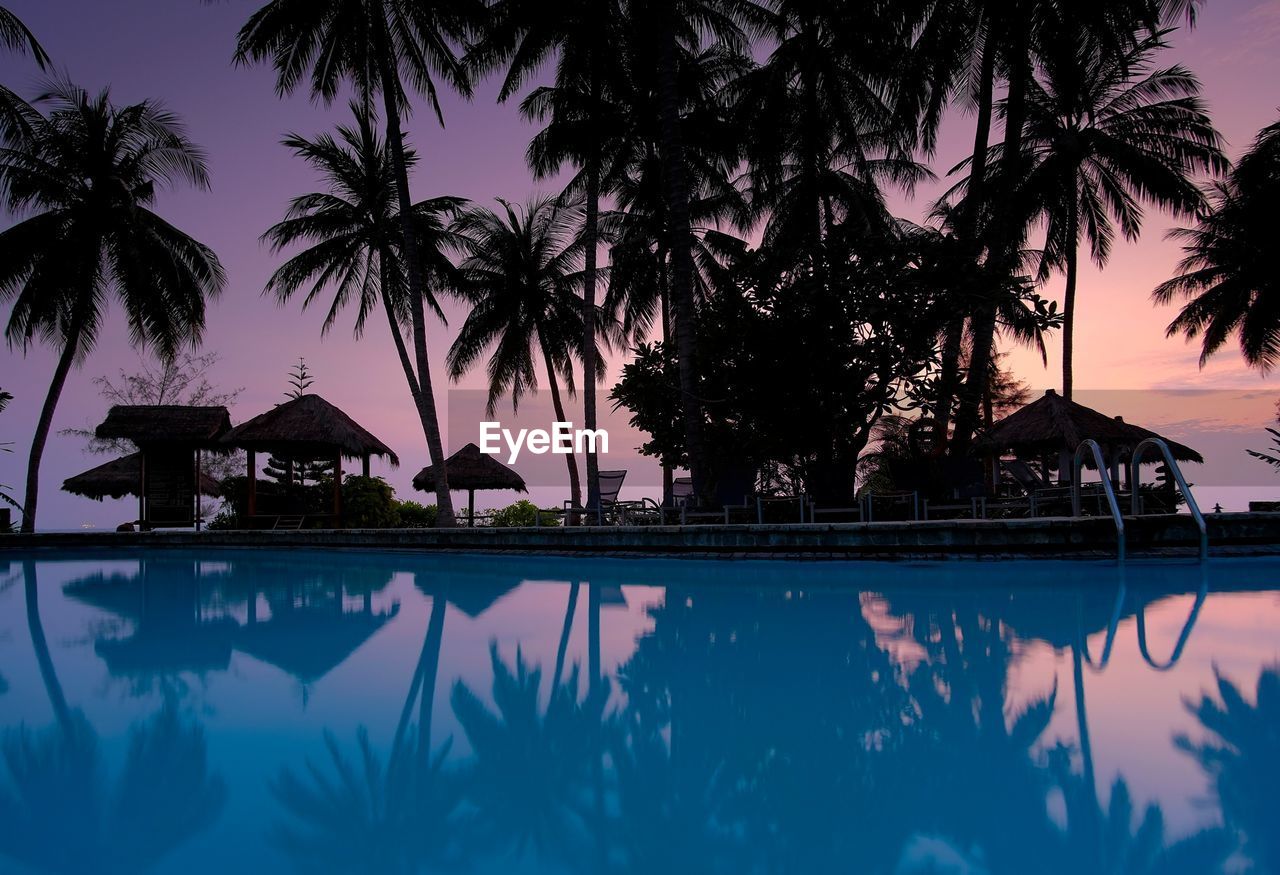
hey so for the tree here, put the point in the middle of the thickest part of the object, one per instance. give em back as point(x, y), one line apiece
point(520, 275)
point(375, 46)
point(353, 235)
point(291, 471)
point(581, 34)
point(15, 36)
point(1107, 132)
point(88, 174)
point(1273, 461)
point(8, 499)
point(1227, 273)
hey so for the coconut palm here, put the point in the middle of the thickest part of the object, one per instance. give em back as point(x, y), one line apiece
point(86, 173)
point(581, 34)
point(377, 46)
point(15, 36)
point(1227, 273)
point(354, 232)
point(520, 276)
point(1107, 132)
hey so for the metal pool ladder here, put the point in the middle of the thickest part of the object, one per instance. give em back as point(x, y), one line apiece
point(1172, 465)
point(1092, 446)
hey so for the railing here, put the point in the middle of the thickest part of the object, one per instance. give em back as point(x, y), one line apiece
point(1172, 465)
point(1077, 467)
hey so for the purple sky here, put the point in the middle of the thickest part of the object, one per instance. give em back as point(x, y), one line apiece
point(179, 51)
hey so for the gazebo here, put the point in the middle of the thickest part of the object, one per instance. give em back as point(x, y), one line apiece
point(471, 470)
point(166, 470)
point(307, 427)
point(1053, 427)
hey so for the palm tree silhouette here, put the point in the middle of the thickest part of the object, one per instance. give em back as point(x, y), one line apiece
point(15, 36)
point(355, 234)
point(1226, 272)
point(1106, 132)
point(521, 35)
point(375, 46)
point(59, 814)
point(88, 173)
point(531, 772)
point(519, 275)
point(1241, 755)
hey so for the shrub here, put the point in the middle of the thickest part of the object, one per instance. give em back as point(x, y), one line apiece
point(414, 515)
point(369, 503)
point(224, 520)
point(522, 513)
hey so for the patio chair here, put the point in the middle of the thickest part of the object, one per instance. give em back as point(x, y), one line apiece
point(610, 486)
point(1024, 475)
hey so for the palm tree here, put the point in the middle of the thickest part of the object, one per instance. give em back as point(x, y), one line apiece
point(355, 234)
point(1228, 270)
point(376, 45)
point(1105, 133)
point(15, 36)
point(88, 173)
point(522, 35)
point(520, 275)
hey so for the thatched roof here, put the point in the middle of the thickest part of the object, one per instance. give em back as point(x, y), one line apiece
point(121, 477)
point(166, 423)
point(1052, 423)
point(309, 644)
point(471, 469)
point(307, 425)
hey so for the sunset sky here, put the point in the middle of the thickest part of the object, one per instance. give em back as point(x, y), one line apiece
point(179, 51)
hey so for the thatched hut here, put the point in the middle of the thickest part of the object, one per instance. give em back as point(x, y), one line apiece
point(471, 470)
point(307, 427)
point(1053, 427)
point(121, 477)
point(167, 470)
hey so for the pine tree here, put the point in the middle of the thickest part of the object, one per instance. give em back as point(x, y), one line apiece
point(298, 472)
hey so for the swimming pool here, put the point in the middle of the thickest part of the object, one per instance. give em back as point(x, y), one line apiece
point(257, 711)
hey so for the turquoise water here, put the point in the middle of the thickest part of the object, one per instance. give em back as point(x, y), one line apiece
point(255, 712)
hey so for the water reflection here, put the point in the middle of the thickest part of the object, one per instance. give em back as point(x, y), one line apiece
point(779, 722)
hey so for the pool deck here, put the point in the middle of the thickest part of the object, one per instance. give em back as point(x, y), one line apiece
point(1230, 534)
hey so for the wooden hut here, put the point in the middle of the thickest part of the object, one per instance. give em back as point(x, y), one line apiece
point(171, 441)
point(311, 428)
point(471, 470)
point(1053, 428)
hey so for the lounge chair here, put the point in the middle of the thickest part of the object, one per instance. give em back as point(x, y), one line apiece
point(610, 486)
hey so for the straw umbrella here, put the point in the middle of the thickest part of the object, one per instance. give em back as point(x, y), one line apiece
point(121, 477)
point(471, 470)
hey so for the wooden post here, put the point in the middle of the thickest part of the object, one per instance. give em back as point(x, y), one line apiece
point(471, 508)
point(253, 485)
point(364, 468)
point(197, 510)
point(337, 489)
point(142, 492)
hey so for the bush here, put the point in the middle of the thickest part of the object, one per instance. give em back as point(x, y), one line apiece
point(369, 503)
point(522, 513)
point(413, 515)
point(224, 520)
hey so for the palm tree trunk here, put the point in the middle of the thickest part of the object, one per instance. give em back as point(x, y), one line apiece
point(405, 362)
point(417, 283)
point(677, 196)
point(1069, 296)
point(52, 686)
point(1005, 241)
point(949, 379)
point(575, 487)
point(45, 422)
point(664, 301)
point(431, 668)
point(591, 237)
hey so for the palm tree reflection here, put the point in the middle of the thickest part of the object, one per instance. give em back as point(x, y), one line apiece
point(63, 813)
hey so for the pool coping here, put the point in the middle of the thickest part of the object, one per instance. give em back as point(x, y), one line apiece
point(1230, 534)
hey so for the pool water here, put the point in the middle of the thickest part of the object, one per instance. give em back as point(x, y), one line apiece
point(255, 712)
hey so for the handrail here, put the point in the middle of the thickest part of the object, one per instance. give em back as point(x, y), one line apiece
point(1077, 465)
point(1134, 481)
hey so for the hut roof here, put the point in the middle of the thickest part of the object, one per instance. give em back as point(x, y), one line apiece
point(121, 477)
point(471, 469)
point(309, 644)
point(307, 424)
point(166, 423)
point(1053, 423)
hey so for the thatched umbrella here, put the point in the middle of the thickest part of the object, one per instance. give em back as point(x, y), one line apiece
point(471, 470)
point(1054, 425)
point(121, 477)
point(307, 427)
